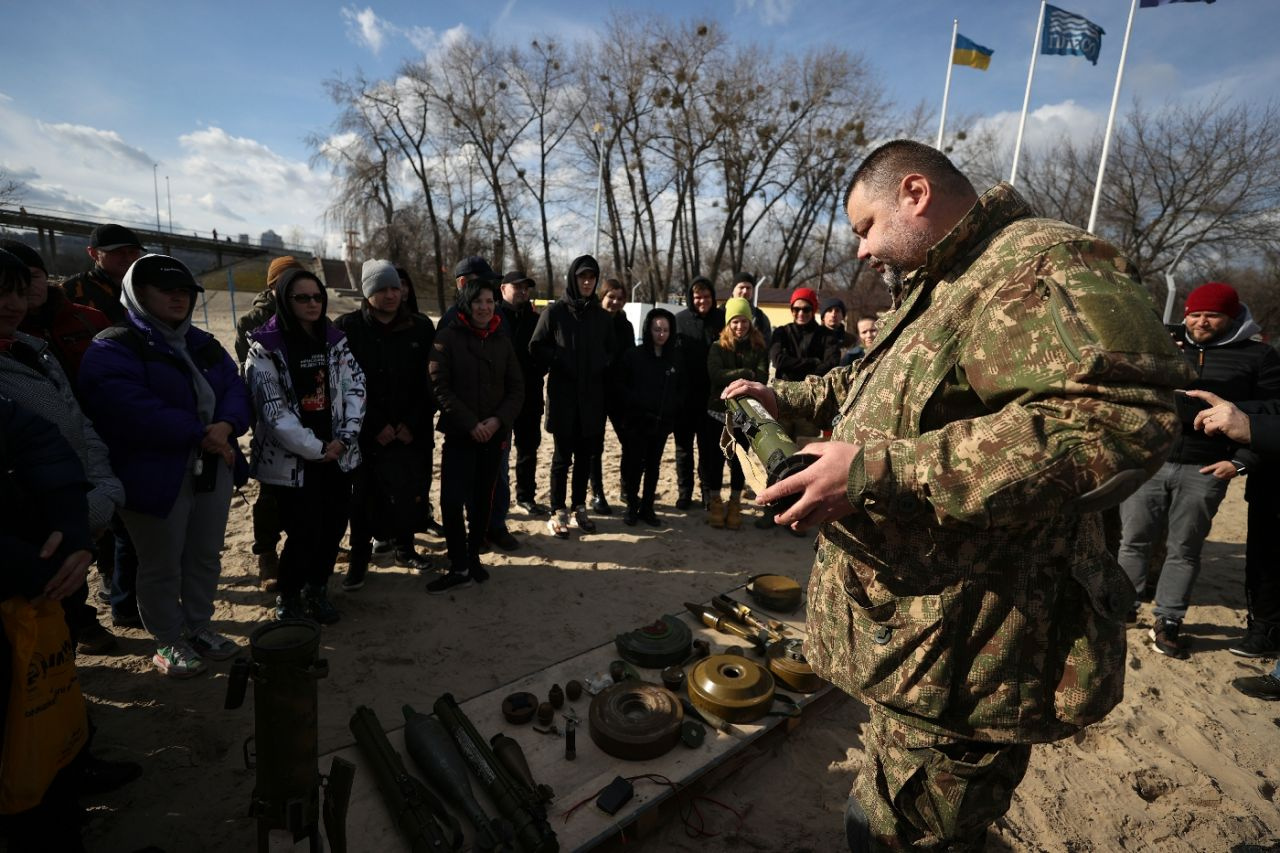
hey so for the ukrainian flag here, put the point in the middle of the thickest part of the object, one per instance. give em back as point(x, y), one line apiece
point(971, 53)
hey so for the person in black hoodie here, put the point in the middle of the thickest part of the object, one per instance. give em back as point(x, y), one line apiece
point(522, 319)
point(697, 328)
point(1187, 490)
point(392, 346)
point(476, 378)
point(613, 296)
point(653, 374)
point(574, 340)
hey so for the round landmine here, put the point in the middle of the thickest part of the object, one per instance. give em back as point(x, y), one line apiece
point(635, 720)
point(789, 665)
point(732, 687)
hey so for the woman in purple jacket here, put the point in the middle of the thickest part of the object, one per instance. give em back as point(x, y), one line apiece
point(168, 401)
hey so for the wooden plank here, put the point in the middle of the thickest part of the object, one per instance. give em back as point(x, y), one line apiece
point(577, 782)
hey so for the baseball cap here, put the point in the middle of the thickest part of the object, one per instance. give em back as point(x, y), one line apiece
point(162, 272)
point(517, 277)
point(111, 237)
point(475, 266)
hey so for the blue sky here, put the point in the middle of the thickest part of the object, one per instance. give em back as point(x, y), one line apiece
point(223, 95)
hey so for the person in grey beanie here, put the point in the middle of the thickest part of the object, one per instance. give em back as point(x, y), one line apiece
point(392, 345)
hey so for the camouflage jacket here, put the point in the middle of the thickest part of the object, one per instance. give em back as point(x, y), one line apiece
point(1024, 384)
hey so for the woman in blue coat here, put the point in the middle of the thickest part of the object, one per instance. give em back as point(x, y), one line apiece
point(168, 401)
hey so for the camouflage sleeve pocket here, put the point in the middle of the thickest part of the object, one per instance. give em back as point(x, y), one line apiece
point(1093, 312)
point(903, 651)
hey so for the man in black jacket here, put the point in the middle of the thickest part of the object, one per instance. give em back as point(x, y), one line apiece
point(697, 329)
point(1257, 424)
point(113, 249)
point(574, 340)
point(521, 319)
point(1187, 490)
point(396, 439)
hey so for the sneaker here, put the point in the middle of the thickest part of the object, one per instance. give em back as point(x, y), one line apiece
point(317, 606)
point(268, 571)
point(534, 508)
point(600, 505)
point(208, 643)
point(178, 660)
point(99, 776)
point(582, 521)
point(354, 578)
point(289, 607)
point(413, 560)
point(1258, 642)
point(503, 539)
point(445, 583)
point(558, 524)
point(478, 573)
point(1164, 636)
point(1259, 686)
point(96, 640)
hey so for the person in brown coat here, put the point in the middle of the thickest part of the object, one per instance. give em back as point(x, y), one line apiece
point(478, 383)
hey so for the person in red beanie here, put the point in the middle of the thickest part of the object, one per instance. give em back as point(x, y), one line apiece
point(1187, 490)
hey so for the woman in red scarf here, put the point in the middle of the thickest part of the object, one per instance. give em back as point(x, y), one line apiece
point(479, 386)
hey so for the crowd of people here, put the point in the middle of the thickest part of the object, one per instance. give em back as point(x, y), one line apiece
point(122, 423)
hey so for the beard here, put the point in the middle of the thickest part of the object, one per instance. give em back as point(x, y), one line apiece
point(908, 250)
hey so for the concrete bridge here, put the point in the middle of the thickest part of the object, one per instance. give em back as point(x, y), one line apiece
point(221, 252)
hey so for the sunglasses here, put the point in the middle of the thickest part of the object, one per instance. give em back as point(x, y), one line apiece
point(801, 309)
point(304, 298)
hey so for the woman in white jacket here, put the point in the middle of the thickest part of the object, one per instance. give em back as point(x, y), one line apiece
point(309, 398)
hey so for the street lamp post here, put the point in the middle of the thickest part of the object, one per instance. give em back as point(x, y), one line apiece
point(169, 198)
point(155, 180)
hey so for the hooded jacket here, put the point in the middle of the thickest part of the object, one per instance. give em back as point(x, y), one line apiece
point(394, 358)
point(30, 376)
point(475, 375)
point(1235, 368)
point(138, 392)
point(695, 335)
point(281, 443)
point(574, 341)
point(655, 383)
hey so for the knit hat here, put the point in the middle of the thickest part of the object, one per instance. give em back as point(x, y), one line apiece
point(1214, 296)
point(832, 303)
point(112, 236)
point(805, 293)
point(736, 307)
point(279, 265)
point(24, 253)
point(378, 275)
point(744, 278)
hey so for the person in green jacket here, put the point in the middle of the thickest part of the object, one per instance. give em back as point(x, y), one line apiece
point(740, 353)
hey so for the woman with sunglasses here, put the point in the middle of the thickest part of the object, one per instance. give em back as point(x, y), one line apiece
point(169, 403)
point(308, 394)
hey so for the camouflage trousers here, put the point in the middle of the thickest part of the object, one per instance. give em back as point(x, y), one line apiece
point(920, 791)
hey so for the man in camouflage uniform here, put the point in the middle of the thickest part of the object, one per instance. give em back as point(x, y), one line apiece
point(961, 589)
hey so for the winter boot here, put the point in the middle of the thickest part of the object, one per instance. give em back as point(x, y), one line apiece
point(715, 512)
point(733, 514)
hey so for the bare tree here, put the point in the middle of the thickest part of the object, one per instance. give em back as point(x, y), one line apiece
point(10, 189)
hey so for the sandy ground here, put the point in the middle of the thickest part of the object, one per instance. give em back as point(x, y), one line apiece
point(1183, 764)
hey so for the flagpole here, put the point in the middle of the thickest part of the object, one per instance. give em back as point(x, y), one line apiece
point(946, 89)
point(1111, 118)
point(1026, 99)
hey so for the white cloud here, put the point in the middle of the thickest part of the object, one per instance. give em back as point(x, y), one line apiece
point(1046, 124)
point(771, 12)
point(365, 28)
point(96, 141)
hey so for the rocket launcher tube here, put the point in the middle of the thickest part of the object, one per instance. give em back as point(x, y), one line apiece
point(432, 749)
point(515, 800)
point(420, 816)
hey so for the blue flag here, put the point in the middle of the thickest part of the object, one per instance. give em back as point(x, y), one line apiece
point(1147, 4)
point(1068, 34)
